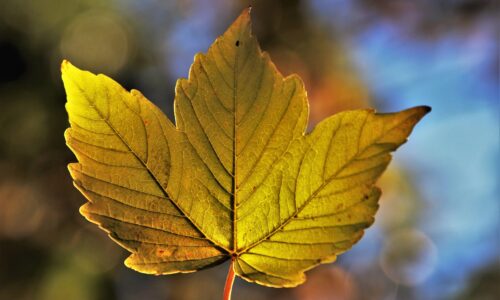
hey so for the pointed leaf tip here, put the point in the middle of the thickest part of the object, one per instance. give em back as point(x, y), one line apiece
point(244, 17)
point(422, 110)
point(247, 11)
point(67, 67)
point(64, 64)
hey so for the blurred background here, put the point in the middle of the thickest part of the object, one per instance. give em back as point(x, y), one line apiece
point(437, 234)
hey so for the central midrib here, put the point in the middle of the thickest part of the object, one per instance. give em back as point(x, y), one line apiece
point(235, 137)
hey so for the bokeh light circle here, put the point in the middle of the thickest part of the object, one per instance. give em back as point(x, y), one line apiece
point(408, 257)
point(98, 41)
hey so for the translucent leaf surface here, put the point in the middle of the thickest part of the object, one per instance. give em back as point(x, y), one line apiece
point(236, 177)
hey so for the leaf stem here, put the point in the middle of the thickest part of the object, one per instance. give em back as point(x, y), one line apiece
point(229, 282)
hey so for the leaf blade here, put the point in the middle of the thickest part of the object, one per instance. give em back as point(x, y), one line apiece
point(335, 197)
point(236, 176)
point(258, 114)
point(126, 138)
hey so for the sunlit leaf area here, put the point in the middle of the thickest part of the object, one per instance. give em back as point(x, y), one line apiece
point(436, 233)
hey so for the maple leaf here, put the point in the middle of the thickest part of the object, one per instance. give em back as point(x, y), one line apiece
point(236, 177)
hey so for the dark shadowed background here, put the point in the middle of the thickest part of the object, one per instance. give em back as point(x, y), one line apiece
point(437, 233)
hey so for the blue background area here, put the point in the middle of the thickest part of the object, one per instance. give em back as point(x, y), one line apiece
point(455, 157)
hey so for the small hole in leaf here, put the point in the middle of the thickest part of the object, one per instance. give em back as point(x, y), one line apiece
point(237, 43)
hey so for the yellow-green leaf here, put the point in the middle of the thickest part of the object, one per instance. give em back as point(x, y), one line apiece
point(236, 177)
